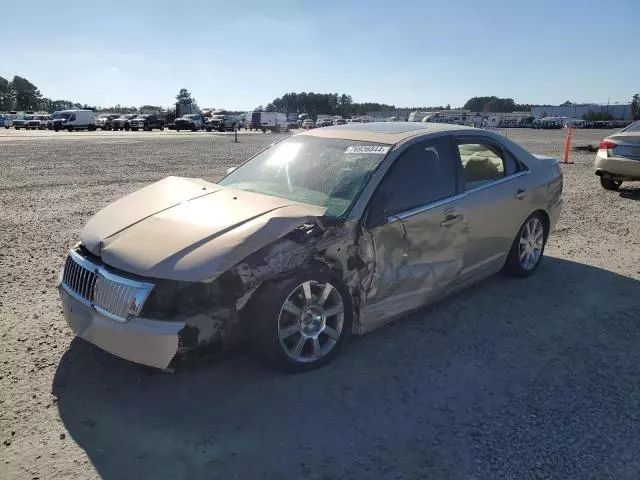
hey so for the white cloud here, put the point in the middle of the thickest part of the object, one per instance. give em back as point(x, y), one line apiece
point(113, 69)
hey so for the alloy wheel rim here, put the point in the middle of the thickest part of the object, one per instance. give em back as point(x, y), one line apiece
point(311, 321)
point(531, 243)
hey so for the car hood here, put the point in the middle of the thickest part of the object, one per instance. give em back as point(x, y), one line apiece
point(189, 229)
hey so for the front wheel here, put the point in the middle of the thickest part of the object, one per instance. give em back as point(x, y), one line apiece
point(610, 184)
point(303, 322)
point(527, 249)
point(161, 127)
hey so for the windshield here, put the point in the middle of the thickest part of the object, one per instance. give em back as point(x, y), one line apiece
point(325, 172)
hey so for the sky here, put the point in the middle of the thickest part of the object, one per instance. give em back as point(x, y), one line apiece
point(241, 54)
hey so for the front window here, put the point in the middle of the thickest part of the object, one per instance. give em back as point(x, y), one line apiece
point(325, 172)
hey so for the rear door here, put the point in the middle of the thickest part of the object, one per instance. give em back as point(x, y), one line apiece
point(417, 229)
point(496, 202)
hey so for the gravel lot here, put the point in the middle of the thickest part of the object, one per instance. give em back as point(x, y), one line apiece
point(535, 378)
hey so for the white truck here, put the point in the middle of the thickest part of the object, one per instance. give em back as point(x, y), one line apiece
point(75, 120)
point(274, 121)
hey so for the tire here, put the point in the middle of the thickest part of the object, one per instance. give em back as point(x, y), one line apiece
point(92, 128)
point(70, 129)
point(134, 129)
point(208, 129)
point(194, 129)
point(286, 337)
point(161, 127)
point(177, 129)
point(527, 249)
point(264, 130)
point(610, 184)
point(127, 128)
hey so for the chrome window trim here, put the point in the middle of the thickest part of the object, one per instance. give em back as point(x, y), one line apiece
point(142, 289)
point(453, 198)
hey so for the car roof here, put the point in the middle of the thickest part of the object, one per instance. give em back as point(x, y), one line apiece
point(383, 132)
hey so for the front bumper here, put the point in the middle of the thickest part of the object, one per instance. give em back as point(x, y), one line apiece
point(140, 340)
point(617, 166)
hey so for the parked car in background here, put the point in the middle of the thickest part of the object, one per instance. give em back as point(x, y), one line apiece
point(393, 215)
point(220, 123)
point(9, 117)
point(38, 122)
point(21, 121)
point(273, 121)
point(324, 122)
point(53, 116)
point(618, 157)
point(146, 123)
point(191, 121)
point(105, 121)
point(308, 124)
point(123, 122)
point(75, 120)
point(339, 121)
point(4, 121)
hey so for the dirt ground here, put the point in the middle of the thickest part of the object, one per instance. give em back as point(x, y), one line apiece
point(536, 378)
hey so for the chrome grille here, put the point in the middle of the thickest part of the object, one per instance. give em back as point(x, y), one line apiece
point(114, 296)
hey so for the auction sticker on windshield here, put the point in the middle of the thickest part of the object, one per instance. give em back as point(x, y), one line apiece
point(367, 149)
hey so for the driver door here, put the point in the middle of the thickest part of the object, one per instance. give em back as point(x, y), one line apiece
point(417, 228)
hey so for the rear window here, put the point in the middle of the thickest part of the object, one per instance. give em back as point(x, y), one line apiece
point(634, 127)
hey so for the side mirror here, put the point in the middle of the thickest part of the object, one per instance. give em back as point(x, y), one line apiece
point(230, 169)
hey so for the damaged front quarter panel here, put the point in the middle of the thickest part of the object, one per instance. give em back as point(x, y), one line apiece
point(212, 311)
point(323, 240)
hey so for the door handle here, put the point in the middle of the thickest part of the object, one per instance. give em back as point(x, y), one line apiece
point(520, 193)
point(451, 220)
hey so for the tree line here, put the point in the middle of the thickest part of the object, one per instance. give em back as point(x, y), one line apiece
point(328, 104)
point(21, 95)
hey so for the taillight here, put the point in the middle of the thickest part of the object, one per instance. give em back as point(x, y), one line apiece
point(607, 145)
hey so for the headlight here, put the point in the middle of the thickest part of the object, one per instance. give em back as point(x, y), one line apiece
point(173, 299)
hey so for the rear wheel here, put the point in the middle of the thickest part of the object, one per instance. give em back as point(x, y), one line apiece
point(528, 247)
point(161, 127)
point(301, 323)
point(610, 184)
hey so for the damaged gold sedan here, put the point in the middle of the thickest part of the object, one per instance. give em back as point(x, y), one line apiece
point(329, 232)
